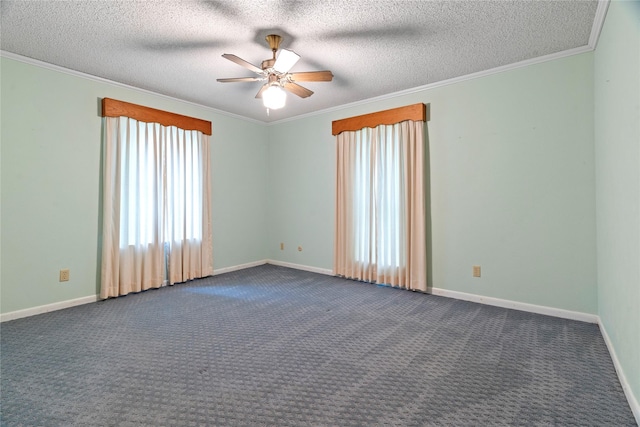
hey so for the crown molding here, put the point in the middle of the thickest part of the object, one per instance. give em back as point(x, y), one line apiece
point(472, 76)
point(596, 28)
point(598, 22)
point(52, 67)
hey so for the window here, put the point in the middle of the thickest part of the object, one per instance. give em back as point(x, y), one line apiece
point(157, 219)
point(161, 156)
point(380, 200)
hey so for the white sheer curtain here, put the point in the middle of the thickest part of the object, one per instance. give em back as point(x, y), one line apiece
point(156, 206)
point(380, 206)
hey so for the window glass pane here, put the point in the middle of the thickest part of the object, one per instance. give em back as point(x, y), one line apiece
point(161, 176)
point(378, 196)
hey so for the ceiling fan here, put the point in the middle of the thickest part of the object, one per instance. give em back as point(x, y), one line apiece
point(275, 72)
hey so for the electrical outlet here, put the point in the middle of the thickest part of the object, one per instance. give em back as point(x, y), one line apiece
point(64, 275)
point(282, 246)
point(476, 271)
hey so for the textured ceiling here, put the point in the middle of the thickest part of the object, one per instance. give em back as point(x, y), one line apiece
point(373, 48)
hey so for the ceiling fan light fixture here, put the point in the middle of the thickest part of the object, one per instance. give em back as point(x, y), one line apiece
point(274, 97)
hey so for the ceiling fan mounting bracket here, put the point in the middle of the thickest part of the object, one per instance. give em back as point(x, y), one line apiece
point(274, 41)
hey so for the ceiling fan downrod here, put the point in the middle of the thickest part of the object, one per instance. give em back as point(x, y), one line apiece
point(274, 41)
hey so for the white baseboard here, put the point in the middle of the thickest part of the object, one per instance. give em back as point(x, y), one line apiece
point(18, 314)
point(239, 267)
point(532, 308)
point(633, 402)
point(557, 312)
point(301, 267)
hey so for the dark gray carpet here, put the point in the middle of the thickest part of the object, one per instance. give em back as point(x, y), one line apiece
point(280, 347)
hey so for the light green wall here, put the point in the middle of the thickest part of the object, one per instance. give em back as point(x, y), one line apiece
point(512, 184)
point(617, 148)
point(50, 166)
point(301, 192)
point(512, 176)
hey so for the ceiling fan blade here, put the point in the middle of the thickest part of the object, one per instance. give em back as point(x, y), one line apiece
point(312, 76)
point(262, 89)
point(285, 61)
point(294, 88)
point(241, 79)
point(242, 62)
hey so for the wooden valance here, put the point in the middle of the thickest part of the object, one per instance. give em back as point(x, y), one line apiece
point(115, 108)
point(415, 112)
